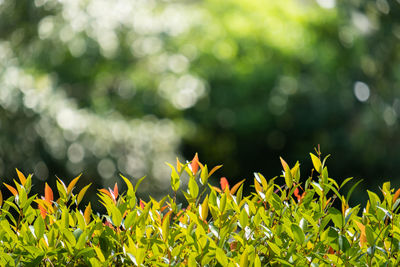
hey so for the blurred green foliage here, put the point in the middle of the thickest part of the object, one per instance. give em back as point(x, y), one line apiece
point(103, 87)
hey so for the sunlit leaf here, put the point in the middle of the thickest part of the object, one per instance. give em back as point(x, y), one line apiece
point(72, 184)
point(87, 213)
point(195, 164)
point(21, 177)
point(82, 193)
point(48, 193)
point(236, 187)
point(12, 189)
point(224, 183)
point(316, 162)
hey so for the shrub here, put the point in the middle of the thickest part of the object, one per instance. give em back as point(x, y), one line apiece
point(307, 223)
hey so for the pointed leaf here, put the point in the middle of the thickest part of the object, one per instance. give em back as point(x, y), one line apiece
point(82, 193)
point(297, 233)
point(214, 170)
point(236, 187)
point(244, 259)
point(128, 184)
point(87, 213)
point(204, 208)
point(72, 184)
point(195, 164)
point(224, 183)
point(139, 182)
point(115, 191)
point(12, 189)
point(21, 177)
point(316, 162)
point(48, 193)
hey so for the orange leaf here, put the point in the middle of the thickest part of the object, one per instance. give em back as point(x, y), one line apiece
point(195, 164)
point(43, 211)
point(87, 213)
point(178, 165)
point(106, 192)
point(72, 184)
point(396, 195)
point(48, 193)
point(363, 236)
point(214, 170)
point(236, 187)
point(1, 199)
point(12, 189)
point(115, 191)
point(21, 177)
point(224, 183)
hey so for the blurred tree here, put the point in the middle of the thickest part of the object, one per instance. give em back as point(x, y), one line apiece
point(103, 87)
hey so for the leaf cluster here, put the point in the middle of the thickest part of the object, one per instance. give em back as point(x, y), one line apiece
point(303, 223)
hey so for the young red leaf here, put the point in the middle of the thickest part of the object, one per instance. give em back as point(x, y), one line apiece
point(142, 204)
point(12, 189)
point(48, 193)
point(1, 199)
point(21, 177)
point(195, 164)
point(224, 183)
point(115, 191)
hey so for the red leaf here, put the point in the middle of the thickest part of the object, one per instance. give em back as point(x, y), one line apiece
point(224, 183)
point(141, 203)
point(195, 164)
point(115, 190)
point(48, 193)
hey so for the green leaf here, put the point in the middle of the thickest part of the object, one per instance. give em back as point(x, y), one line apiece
point(244, 219)
point(244, 259)
point(165, 227)
point(344, 244)
point(175, 181)
point(116, 216)
point(351, 190)
point(346, 181)
point(39, 227)
point(370, 235)
point(298, 233)
point(138, 183)
point(204, 175)
point(221, 257)
point(131, 191)
point(129, 219)
point(337, 217)
point(193, 187)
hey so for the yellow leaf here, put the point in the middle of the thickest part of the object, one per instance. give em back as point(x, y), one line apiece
point(82, 193)
point(204, 208)
point(316, 162)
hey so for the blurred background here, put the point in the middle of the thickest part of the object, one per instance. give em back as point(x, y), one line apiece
point(106, 87)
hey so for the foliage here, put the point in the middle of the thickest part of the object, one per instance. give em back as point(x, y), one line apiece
point(296, 223)
point(122, 86)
